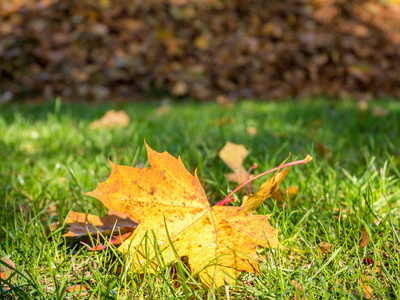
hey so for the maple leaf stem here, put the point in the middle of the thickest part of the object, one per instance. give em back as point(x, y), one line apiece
point(228, 199)
point(248, 176)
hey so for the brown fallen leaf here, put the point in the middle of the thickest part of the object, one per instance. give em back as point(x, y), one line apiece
point(224, 120)
point(380, 112)
point(251, 130)
point(299, 288)
point(283, 195)
point(224, 101)
point(364, 238)
point(163, 110)
point(233, 156)
point(81, 224)
point(368, 292)
point(325, 247)
point(5, 272)
point(111, 119)
point(251, 202)
point(171, 204)
point(363, 105)
point(180, 88)
point(78, 288)
point(323, 151)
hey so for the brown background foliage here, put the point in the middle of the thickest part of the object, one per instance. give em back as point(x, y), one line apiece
point(94, 49)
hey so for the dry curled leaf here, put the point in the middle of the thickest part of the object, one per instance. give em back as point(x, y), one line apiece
point(251, 202)
point(364, 238)
point(77, 290)
point(5, 272)
point(217, 240)
point(111, 119)
point(324, 151)
point(380, 112)
point(325, 247)
point(286, 194)
point(81, 224)
point(367, 291)
point(299, 288)
point(251, 130)
point(224, 101)
point(233, 156)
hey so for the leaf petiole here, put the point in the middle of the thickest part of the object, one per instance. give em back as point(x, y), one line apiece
point(248, 176)
point(228, 198)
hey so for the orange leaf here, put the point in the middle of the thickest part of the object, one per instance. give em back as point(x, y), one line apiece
point(285, 194)
point(366, 289)
point(208, 236)
point(5, 272)
point(364, 238)
point(78, 289)
point(299, 288)
point(325, 247)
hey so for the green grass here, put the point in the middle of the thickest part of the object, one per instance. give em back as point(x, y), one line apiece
point(50, 156)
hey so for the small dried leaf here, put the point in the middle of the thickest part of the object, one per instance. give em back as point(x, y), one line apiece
point(80, 224)
point(251, 130)
point(363, 105)
point(368, 292)
point(77, 288)
point(251, 202)
point(380, 112)
point(201, 42)
point(111, 119)
point(297, 285)
point(5, 272)
point(283, 195)
point(364, 238)
point(325, 247)
point(233, 155)
point(324, 151)
point(224, 120)
point(224, 101)
point(299, 288)
point(180, 88)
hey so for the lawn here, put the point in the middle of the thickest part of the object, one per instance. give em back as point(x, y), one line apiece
point(49, 157)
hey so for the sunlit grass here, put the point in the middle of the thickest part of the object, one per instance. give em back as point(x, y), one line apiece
point(50, 156)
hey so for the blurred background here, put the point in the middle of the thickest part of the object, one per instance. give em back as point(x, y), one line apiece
point(102, 50)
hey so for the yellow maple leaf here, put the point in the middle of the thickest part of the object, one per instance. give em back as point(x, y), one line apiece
point(220, 241)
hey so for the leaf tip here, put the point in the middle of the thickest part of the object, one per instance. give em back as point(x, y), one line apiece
point(148, 149)
point(113, 166)
point(91, 193)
